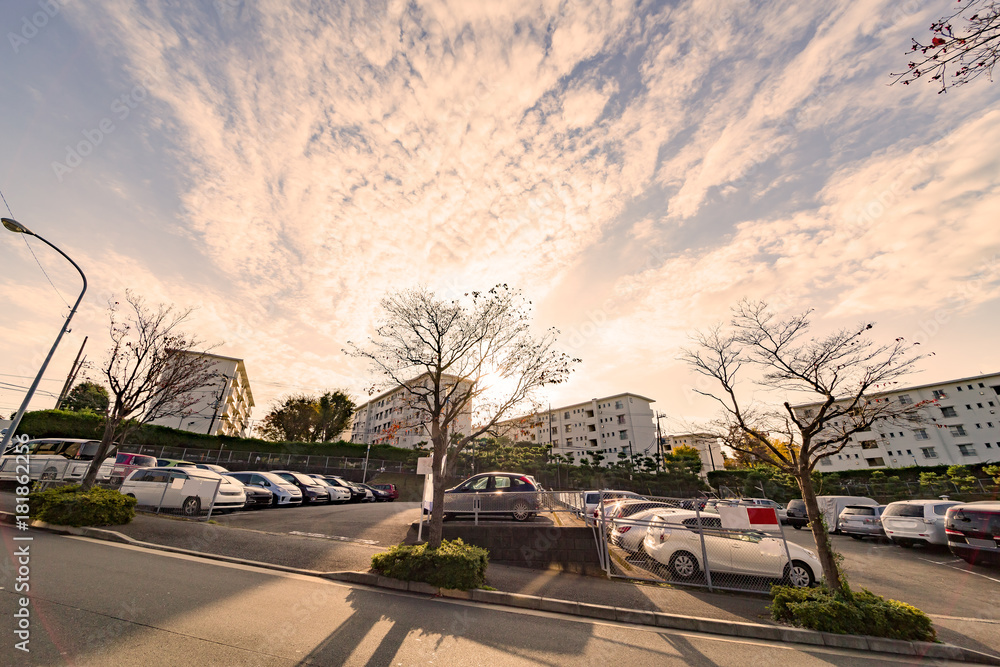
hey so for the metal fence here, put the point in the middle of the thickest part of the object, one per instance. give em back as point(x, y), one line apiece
point(241, 460)
point(669, 540)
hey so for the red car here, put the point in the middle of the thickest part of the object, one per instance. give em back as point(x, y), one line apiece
point(388, 488)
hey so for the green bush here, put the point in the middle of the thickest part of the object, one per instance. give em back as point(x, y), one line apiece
point(856, 613)
point(67, 506)
point(454, 564)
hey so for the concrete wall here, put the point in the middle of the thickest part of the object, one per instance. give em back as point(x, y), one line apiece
point(570, 549)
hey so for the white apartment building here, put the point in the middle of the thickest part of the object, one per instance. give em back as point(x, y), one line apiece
point(221, 407)
point(622, 423)
point(389, 419)
point(708, 445)
point(963, 427)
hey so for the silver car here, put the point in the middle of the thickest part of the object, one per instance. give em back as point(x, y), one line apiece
point(909, 522)
point(861, 521)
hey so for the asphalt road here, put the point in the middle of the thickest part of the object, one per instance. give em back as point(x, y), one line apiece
point(94, 603)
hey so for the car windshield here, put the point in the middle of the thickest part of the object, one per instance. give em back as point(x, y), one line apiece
point(968, 519)
point(275, 479)
point(904, 510)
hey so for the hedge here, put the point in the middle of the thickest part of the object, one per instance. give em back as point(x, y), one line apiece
point(454, 564)
point(67, 424)
point(67, 506)
point(849, 612)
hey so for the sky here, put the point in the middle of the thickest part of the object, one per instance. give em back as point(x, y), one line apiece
point(634, 168)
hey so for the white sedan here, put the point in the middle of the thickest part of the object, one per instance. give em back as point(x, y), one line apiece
point(672, 539)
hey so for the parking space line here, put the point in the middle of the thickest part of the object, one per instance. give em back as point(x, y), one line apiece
point(333, 537)
point(960, 569)
point(966, 619)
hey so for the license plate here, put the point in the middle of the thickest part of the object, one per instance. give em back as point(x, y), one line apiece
point(982, 544)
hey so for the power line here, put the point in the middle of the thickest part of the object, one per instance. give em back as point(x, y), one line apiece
point(28, 246)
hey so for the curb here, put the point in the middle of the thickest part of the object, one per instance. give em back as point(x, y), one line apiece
point(744, 630)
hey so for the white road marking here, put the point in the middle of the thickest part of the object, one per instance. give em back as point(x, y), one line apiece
point(966, 619)
point(960, 569)
point(333, 537)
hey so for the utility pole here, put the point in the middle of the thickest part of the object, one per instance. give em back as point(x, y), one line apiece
point(659, 437)
point(71, 376)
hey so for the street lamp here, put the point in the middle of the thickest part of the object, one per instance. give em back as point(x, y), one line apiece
point(18, 228)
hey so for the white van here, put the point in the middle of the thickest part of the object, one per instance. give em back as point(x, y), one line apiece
point(53, 458)
point(187, 489)
point(831, 507)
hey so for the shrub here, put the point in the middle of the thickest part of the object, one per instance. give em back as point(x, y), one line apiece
point(848, 612)
point(454, 564)
point(67, 506)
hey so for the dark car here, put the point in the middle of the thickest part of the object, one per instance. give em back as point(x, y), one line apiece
point(256, 496)
point(796, 514)
point(312, 492)
point(380, 495)
point(973, 531)
point(389, 489)
point(493, 493)
point(358, 494)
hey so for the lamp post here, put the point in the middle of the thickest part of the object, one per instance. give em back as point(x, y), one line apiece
point(18, 228)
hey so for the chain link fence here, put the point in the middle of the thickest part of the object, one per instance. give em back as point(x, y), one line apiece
point(671, 540)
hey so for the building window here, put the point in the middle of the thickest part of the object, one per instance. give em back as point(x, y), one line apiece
point(905, 399)
point(876, 462)
point(928, 452)
point(623, 435)
point(948, 412)
point(979, 425)
point(619, 405)
point(909, 453)
point(957, 430)
point(569, 428)
point(967, 450)
point(938, 394)
point(566, 415)
point(968, 407)
point(869, 444)
point(825, 461)
point(960, 389)
point(621, 419)
point(920, 434)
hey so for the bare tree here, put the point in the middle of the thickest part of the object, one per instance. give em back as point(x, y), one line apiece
point(450, 359)
point(151, 371)
point(845, 375)
point(956, 58)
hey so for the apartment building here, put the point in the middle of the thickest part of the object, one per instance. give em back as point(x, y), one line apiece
point(391, 419)
point(962, 427)
point(708, 446)
point(613, 425)
point(221, 407)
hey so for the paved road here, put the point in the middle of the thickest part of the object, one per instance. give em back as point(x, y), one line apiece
point(95, 603)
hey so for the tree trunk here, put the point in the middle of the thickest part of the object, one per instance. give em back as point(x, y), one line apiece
point(820, 535)
point(435, 532)
point(109, 434)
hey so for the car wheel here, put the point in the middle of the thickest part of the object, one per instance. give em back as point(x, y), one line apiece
point(191, 507)
point(797, 527)
point(683, 565)
point(116, 481)
point(132, 496)
point(49, 473)
point(274, 501)
point(522, 511)
point(799, 575)
point(857, 537)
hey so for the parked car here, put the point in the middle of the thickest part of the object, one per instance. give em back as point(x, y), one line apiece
point(795, 514)
point(187, 489)
point(629, 523)
point(779, 509)
point(283, 492)
point(673, 540)
point(593, 499)
point(357, 493)
point(389, 489)
point(256, 495)
point(175, 463)
point(496, 493)
point(861, 521)
point(338, 494)
point(973, 531)
point(212, 467)
point(830, 508)
point(378, 494)
point(53, 458)
point(120, 466)
point(312, 491)
point(909, 522)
